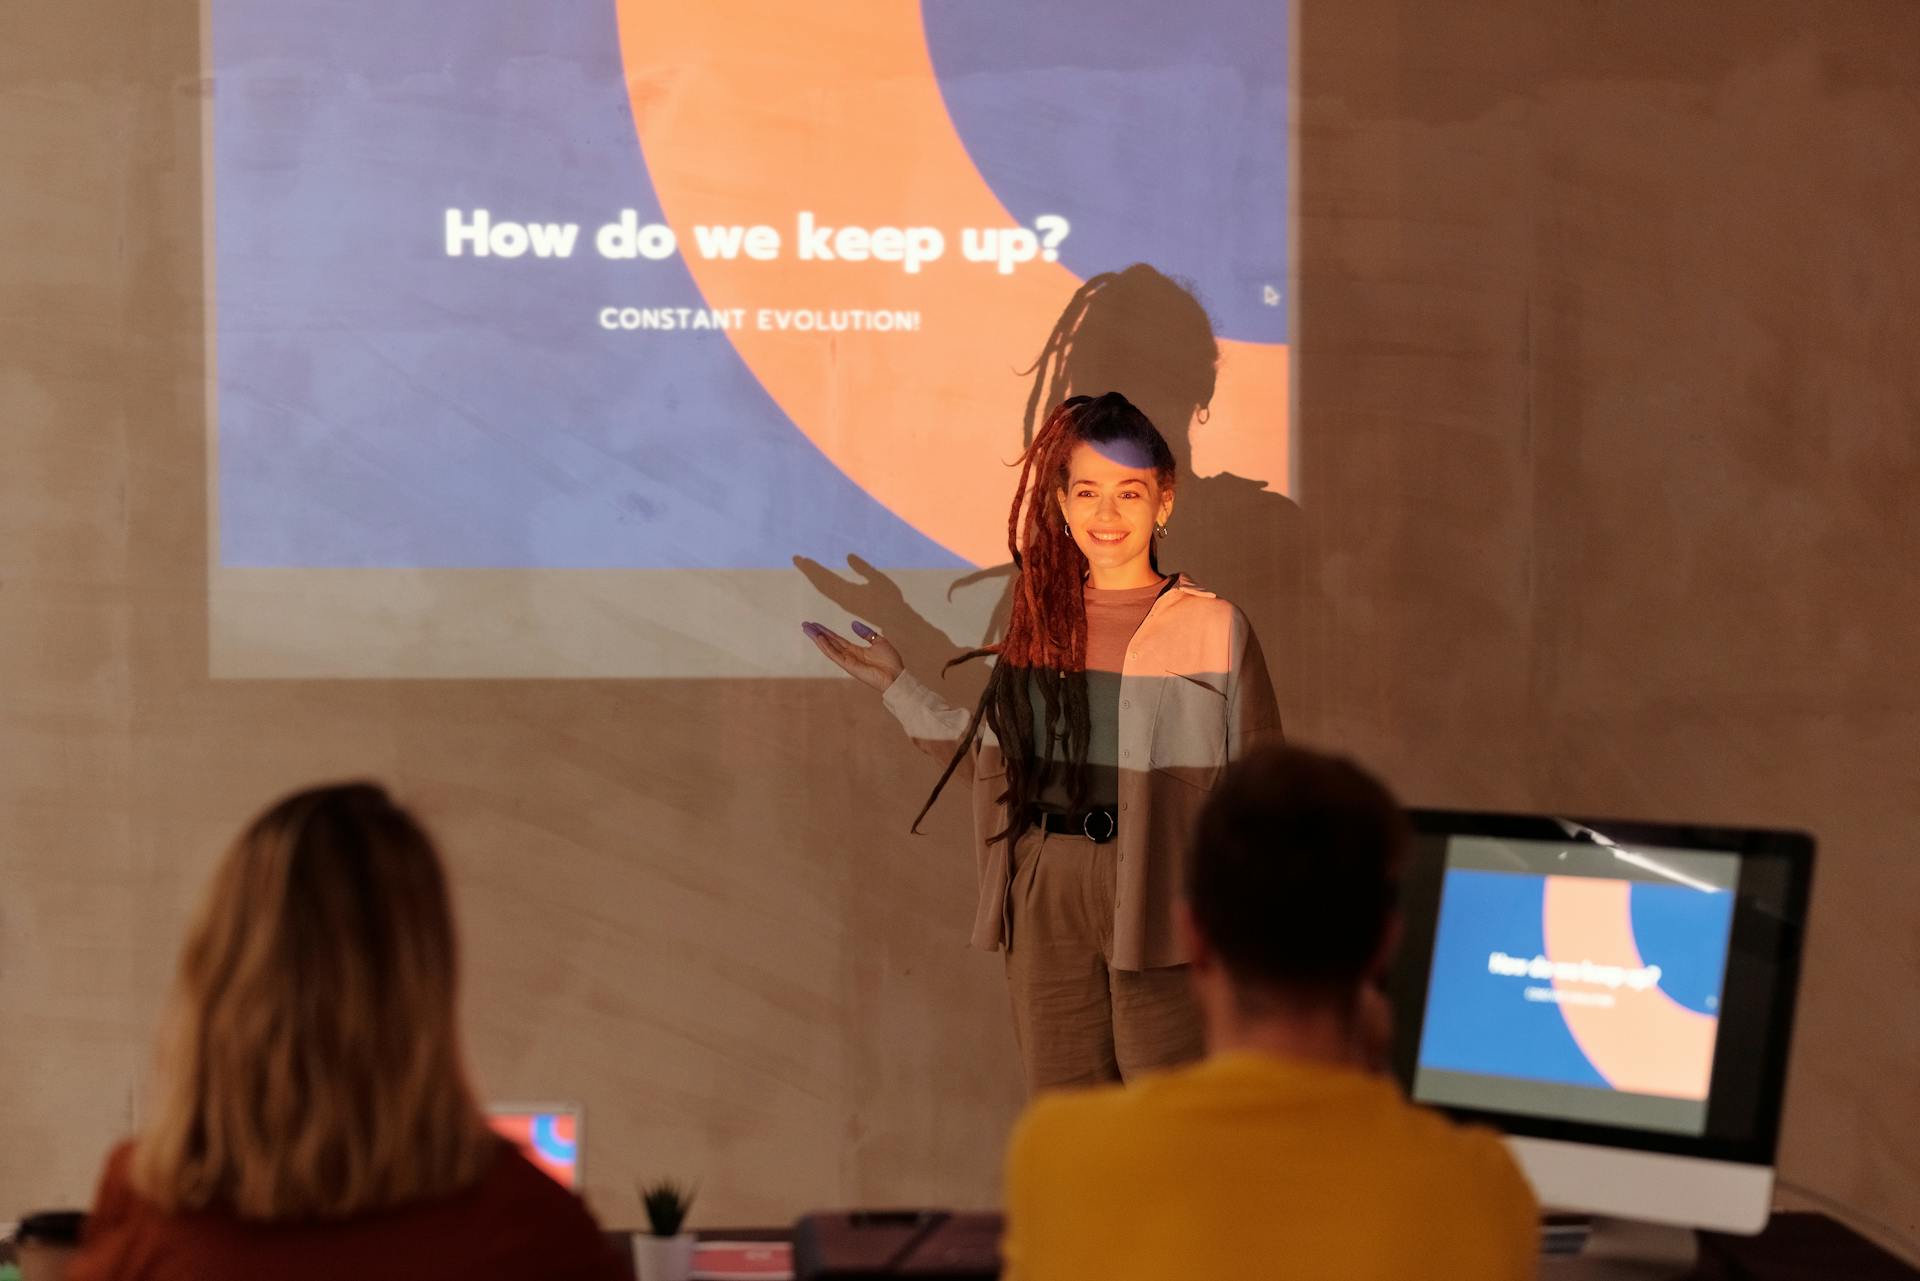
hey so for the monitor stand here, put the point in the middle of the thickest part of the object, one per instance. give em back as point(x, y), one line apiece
point(1625, 1250)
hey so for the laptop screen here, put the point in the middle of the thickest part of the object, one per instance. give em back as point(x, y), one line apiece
point(549, 1135)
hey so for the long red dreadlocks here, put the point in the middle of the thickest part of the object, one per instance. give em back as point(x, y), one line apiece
point(1044, 649)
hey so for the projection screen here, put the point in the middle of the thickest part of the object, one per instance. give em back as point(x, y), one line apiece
point(587, 338)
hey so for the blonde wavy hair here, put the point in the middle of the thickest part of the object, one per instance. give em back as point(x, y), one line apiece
point(309, 1064)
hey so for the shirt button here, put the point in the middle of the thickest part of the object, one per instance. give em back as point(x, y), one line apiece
point(1126, 754)
point(1123, 807)
point(1125, 703)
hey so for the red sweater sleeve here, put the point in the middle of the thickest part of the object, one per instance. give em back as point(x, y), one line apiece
point(568, 1244)
point(107, 1244)
point(580, 1250)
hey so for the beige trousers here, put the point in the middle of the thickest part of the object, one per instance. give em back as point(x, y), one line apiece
point(1079, 1021)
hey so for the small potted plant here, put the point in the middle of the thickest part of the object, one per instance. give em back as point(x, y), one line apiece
point(664, 1252)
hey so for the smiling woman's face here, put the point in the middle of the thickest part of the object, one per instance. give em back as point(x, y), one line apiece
point(1112, 501)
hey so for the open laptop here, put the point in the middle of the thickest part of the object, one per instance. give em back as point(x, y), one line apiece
point(551, 1135)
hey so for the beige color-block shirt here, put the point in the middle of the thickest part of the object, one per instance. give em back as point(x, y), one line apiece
point(1194, 694)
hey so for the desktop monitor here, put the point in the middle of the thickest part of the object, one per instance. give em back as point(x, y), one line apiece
point(549, 1134)
point(1617, 997)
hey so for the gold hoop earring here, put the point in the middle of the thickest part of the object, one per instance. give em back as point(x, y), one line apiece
point(1068, 526)
point(1160, 530)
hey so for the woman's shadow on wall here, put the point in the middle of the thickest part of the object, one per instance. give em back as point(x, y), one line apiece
point(1143, 334)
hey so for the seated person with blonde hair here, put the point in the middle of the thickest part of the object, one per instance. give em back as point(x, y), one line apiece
point(1283, 1153)
point(312, 1116)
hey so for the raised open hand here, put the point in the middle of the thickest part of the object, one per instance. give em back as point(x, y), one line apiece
point(874, 664)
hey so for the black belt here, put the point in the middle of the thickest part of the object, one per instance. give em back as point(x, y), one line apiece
point(1097, 825)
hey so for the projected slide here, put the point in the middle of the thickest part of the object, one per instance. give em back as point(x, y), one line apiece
point(546, 338)
point(1584, 995)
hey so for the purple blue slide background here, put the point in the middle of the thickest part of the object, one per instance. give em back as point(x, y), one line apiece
point(380, 405)
point(1178, 117)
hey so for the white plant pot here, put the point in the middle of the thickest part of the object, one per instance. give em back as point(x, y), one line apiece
point(663, 1258)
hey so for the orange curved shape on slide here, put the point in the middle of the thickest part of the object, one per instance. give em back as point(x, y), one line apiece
point(749, 114)
point(1646, 1041)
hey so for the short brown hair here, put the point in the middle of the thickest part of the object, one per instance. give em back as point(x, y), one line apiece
point(310, 1064)
point(1294, 870)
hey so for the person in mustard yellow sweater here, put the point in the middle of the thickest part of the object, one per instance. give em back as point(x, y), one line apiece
point(1286, 1152)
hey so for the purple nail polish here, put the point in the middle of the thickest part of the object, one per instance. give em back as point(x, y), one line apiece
point(863, 631)
point(811, 629)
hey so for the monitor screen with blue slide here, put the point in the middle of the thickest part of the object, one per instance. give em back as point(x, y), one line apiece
point(1592, 993)
point(1613, 995)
